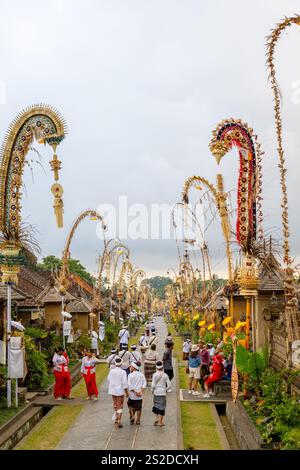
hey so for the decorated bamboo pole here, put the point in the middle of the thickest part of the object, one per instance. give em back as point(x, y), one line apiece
point(232, 133)
point(291, 316)
point(45, 124)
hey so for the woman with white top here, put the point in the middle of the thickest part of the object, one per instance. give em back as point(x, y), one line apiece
point(88, 370)
point(59, 363)
point(159, 387)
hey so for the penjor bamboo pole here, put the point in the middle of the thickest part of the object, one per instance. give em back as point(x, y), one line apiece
point(248, 321)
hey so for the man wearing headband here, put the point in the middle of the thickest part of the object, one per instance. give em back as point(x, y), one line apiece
point(136, 387)
point(135, 354)
point(117, 388)
point(110, 361)
point(124, 336)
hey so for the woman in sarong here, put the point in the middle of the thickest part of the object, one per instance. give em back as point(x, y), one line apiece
point(159, 387)
point(151, 357)
point(88, 370)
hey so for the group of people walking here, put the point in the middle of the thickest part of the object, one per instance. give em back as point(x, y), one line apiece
point(125, 377)
point(206, 366)
point(126, 380)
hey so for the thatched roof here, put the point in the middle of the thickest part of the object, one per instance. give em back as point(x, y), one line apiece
point(80, 305)
point(51, 294)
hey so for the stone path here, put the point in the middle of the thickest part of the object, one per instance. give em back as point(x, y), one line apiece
point(94, 430)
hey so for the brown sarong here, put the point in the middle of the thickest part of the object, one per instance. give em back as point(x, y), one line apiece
point(149, 370)
point(118, 402)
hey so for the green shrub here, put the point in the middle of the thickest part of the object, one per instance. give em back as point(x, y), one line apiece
point(36, 365)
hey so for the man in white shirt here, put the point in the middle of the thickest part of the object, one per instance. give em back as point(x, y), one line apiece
point(117, 388)
point(125, 355)
point(211, 350)
point(110, 361)
point(135, 354)
point(152, 327)
point(143, 343)
point(186, 348)
point(124, 336)
point(136, 387)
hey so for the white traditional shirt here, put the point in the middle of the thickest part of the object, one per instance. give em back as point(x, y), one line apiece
point(124, 336)
point(126, 356)
point(88, 362)
point(135, 357)
point(137, 382)
point(160, 383)
point(58, 362)
point(110, 361)
point(212, 351)
point(143, 341)
point(117, 382)
point(152, 340)
point(186, 347)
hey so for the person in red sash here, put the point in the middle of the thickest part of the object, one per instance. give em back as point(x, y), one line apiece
point(59, 362)
point(88, 370)
point(216, 374)
point(66, 378)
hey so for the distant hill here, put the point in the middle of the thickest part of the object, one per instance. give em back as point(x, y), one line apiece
point(158, 284)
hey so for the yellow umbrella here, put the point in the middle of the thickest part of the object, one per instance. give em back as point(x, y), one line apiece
point(196, 317)
point(226, 321)
point(211, 326)
point(201, 323)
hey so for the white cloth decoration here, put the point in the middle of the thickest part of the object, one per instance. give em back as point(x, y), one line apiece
point(101, 332)
point(67, 327)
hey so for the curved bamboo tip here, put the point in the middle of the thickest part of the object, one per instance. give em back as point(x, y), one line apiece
point(218, 158)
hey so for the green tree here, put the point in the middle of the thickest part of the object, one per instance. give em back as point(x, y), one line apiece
point(158, 283)
point(52, 263)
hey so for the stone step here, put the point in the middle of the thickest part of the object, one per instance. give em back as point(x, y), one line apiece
point(30, 396)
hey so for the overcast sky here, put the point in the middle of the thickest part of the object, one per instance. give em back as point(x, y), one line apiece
point(141, 84)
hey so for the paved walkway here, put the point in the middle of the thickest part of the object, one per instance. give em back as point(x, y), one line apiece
point(94, 430)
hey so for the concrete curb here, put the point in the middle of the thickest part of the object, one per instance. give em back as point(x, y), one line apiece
point(180, 445)
point(223, 438)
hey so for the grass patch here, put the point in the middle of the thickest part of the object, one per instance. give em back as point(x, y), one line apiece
point(177, 349)
point(183, 377)
point(50, 431)
point(7, 413)
point(198, 427)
